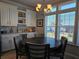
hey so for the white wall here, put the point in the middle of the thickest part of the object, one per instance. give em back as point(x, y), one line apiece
point(40, 30)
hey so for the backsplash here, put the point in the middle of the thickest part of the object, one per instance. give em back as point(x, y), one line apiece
point(8, 29)
point(16, 29)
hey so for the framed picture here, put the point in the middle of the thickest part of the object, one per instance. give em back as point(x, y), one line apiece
point(39, 22)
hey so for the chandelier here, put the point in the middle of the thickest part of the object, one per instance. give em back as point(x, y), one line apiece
point(43, 7)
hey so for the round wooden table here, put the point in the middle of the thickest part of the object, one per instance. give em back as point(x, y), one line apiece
point(52, 42)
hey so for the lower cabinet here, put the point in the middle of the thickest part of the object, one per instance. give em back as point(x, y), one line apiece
point(7, 43)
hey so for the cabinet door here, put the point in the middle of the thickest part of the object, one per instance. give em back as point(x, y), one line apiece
point(5, 43)
point(9, 16)
point(28, 18)
point(13, 15)
point(5, 15)
point(33, 20)
point(11, 42)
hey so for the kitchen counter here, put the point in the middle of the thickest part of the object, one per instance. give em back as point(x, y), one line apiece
point(18, 33)
point(8, 42)
point(29, 34)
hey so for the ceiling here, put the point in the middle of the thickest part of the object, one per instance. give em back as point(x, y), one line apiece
point(32, 3)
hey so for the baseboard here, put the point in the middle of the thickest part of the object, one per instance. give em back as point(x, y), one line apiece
point(6, 51)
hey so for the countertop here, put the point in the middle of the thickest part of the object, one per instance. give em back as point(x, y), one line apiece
point(17, 33)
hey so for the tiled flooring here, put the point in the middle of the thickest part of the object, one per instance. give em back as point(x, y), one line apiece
point(72, 52)
point(12, 55)
point(9, 55)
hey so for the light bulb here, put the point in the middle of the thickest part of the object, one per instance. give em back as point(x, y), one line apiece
point(45, 10)
point(49, 6)
point(37, 9)
point(39, 5)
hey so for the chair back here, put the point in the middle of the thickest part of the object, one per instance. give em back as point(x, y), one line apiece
point(24, 36)
point(63, 43)
point(37, 51)
point(17, 43)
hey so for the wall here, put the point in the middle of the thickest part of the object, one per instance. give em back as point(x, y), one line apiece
point(40, 30)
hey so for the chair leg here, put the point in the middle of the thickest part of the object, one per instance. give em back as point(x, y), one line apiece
point(20, 57)
point(48, 55)
point(61, 57)
point(16, 56)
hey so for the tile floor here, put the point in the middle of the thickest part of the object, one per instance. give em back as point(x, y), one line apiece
point(12, 55)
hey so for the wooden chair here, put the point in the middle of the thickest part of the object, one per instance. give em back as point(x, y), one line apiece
point(0, 46)
point(20, 49)
point(59, 52)
point(37, 51)
point(24, 36)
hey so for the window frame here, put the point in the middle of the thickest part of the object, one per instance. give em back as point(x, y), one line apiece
point(65, 11)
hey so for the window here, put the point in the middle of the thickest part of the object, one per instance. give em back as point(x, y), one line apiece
point(66, 25)
point(65, 22)
point(50, 26)
point(67, 6)
point(53, 9)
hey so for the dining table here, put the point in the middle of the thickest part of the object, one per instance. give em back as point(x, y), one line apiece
point(54, 43)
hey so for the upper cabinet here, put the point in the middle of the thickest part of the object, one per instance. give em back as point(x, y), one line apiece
point(30, 18)
point(21, 17)
point(13, 15)
point(4, 14)
point(8, 15)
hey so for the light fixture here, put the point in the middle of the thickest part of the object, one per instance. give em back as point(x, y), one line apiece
point(39, 5)
point(43, 7)
point(49, 6)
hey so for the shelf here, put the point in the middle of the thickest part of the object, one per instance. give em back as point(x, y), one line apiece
point(21, 16)
point(21, 11)
point(21, 23)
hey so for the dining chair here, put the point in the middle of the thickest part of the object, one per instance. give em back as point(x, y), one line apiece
point(39, 35)
point(37, 51)
point(59, 52)
point(24, 37)
point(20, 49)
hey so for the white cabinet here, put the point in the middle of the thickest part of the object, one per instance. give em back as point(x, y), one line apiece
point(11, 43)
point(8, 15)
point(13, 15)
point(4, 15)
point(30, 18)
point(33, 18)
point(7, 42)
